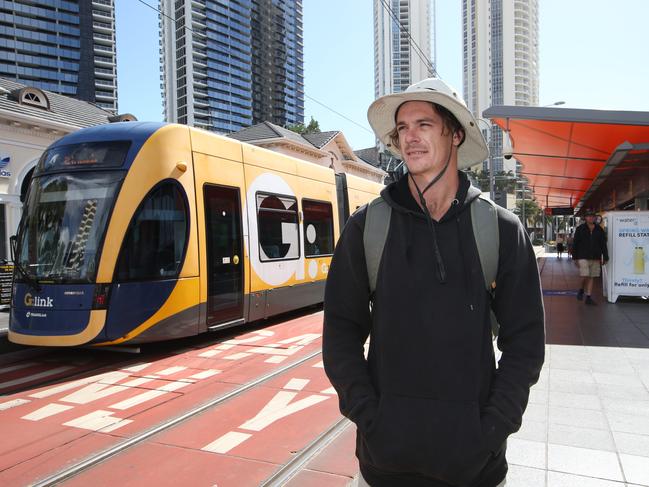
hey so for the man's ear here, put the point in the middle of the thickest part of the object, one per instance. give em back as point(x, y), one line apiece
point(458, 137)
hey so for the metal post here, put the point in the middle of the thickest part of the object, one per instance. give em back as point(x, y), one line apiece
point(523, 208)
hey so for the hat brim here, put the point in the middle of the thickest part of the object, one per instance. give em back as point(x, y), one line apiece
point(381, 115)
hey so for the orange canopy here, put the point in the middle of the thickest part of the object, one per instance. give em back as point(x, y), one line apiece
point(564, 151)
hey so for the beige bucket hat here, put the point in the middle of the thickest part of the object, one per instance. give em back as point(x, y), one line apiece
point(382, 112)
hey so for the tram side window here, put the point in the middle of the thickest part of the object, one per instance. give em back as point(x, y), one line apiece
point(277, 227)
point(155, 240)
point(318, 228)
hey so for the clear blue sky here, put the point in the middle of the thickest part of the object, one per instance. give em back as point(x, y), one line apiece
point(592, 55)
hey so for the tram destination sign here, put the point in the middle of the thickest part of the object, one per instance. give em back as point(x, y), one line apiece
point(559, 210)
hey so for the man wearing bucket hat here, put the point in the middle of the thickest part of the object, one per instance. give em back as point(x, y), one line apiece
point(590, 251)
point(430, 406)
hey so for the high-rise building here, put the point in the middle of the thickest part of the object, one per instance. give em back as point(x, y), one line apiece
point(402, 38)
point(63, 46)
point(501, 61)
point(227, 65)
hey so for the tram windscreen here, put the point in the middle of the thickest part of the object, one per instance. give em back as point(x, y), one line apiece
point(63, 224)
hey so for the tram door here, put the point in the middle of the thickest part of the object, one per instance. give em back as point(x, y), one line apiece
point(224, 254)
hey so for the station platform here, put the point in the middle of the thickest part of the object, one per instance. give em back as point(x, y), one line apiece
point(587, 422)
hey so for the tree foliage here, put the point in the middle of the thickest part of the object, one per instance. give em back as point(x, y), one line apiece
point(533, 212)
point(503, 180)
point(313, 127)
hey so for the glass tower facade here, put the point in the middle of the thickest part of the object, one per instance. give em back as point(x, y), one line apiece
point(67, 47)
point(500, 62)
point(402, 40)
point(229, 64)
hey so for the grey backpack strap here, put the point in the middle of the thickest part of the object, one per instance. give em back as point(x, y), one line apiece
point(484, 218)
point(377, 224)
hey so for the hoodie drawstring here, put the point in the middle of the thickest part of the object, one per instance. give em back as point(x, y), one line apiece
point(441, 270)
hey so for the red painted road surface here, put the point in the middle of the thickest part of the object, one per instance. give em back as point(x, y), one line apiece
point(239, 442)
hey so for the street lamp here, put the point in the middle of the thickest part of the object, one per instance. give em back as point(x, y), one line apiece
point(556, 103)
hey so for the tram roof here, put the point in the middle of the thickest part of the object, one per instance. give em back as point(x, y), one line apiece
point(568, 154)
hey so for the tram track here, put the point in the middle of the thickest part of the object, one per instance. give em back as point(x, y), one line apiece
point(288, 469)
point(79, 371)
point(291, 468)
point(113, 358)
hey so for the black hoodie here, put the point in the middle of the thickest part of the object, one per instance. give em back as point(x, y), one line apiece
point(430, 406)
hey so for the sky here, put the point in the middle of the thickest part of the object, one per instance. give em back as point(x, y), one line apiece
point(593, 54)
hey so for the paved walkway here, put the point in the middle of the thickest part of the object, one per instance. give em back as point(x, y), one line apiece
point(587, 423)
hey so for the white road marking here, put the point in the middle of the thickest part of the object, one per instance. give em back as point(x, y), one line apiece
point(92, 392)
point(98, 420)
point(172, 370)
point(331, 390)
point(108, 377)
point(319, 365)
point(227, 442)
point(237, 356)
point(296, 384)
point(148, 395)
point(209, 353)
point(275, 359)
point(205, 374)
point(137, 367)
point(47, 411)
point(33, 377)
point(138, 381)
point(237, 341)
point(12, 404)
point(302, 339)
point(269, 350)
point(279, 407)
point(224, 347)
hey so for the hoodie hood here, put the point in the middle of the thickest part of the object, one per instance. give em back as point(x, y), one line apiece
point(399, 197)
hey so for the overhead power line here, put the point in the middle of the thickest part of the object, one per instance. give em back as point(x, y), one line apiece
point(411, 40)
point(306, 96)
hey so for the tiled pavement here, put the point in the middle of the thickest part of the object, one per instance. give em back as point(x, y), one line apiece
point(587, 423)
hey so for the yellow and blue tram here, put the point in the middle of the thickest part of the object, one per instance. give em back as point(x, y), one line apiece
point(136, 232)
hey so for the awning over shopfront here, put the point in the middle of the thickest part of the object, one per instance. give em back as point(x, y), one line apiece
point(579, 158)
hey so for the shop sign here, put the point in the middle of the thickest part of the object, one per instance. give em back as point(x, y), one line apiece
point(4, 162)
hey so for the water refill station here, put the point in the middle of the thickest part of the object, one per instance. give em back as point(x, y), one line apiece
point(627, 271)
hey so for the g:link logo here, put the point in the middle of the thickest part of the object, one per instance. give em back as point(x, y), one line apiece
point(39, 302)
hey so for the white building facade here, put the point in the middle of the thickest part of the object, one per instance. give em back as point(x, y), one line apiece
point(500, 61)
point(402, 44)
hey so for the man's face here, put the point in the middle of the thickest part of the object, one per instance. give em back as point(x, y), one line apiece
point(423, 140)
point(590, 219)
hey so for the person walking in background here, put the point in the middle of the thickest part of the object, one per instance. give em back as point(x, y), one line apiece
point(590, 252)
point(560, 245)
point(569, 242)
point(430, 406)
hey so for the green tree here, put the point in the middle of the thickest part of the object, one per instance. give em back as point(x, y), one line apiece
point(532, 212)
point(503, 180)
point(312, 128)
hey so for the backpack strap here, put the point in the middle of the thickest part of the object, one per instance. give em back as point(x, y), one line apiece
point(484, 218)
point(377, 224)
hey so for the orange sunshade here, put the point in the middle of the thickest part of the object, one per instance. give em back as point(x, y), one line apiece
point(563, 150)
